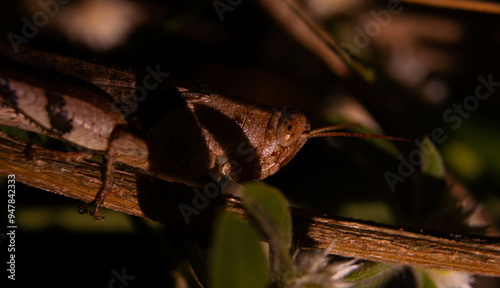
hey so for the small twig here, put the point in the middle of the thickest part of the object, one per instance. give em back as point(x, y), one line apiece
point(140, 195)
point(292, 20)
point(467, 5)
point(358, 78)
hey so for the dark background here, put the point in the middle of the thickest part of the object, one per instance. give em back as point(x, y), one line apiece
point(426, 58)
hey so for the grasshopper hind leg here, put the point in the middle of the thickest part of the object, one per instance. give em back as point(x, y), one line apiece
point(122, 145)
point(109, 162)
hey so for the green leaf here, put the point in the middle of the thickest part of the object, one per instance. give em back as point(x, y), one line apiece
point(373, 274)
point(238, 260)
point(427, 282)
point(432, 162)
point(270, 209)
point(464, 160)
point(423, 279)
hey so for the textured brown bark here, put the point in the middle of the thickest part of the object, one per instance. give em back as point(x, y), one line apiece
point(142, 196)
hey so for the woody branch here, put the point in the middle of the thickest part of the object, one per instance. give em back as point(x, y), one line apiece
point(142, 196)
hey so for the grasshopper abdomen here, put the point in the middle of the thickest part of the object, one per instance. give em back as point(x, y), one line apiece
point(74, 114)
point(77, 115)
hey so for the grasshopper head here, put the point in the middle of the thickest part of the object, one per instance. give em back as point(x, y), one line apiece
point(283, 136)
point(286, 134)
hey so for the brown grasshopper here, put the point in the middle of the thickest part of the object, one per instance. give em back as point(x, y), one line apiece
point(183, 133)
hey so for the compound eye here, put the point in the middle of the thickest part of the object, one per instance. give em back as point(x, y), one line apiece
point(290, 127)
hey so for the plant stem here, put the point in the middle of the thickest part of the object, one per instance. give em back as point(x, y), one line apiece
point(140, 195)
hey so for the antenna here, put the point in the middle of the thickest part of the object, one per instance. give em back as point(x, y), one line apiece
point(327, 132)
